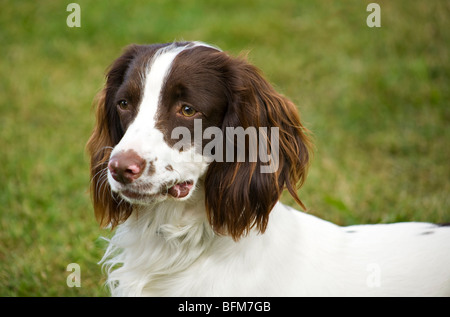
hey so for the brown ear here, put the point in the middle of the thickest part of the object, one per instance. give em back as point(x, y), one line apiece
point(106, 134)
point(239, 195)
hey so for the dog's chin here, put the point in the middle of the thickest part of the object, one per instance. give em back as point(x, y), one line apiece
point(141, 198)
point(180, 191)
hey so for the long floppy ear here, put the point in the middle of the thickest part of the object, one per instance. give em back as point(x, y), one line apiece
point(106, 134)
point(240, 195)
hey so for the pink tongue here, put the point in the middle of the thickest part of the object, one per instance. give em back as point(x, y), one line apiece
point(180, 190)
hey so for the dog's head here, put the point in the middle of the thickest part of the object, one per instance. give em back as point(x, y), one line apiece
point(172, 116)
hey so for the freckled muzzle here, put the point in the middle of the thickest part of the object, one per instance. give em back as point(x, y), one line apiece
point(126, 167)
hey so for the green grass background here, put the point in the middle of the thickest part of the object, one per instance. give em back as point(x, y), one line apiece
point(376, 99)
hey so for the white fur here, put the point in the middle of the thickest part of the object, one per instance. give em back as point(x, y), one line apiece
point(167, 247)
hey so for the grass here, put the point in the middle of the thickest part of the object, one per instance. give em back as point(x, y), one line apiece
point(375, 99)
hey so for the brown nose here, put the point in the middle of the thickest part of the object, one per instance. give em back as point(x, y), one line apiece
point(125, 167)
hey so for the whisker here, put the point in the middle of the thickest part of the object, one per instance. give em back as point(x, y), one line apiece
point(104, 185)
point(105, 152)
point(100, 179)
point(103, 170)
point(120, 202)
point(114, 197)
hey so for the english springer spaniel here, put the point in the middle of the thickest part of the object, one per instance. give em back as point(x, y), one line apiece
point(191, 151)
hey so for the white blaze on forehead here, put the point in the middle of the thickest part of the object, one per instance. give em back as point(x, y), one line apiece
point(157, 72)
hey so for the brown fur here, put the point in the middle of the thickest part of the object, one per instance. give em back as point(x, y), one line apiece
point(238, 196)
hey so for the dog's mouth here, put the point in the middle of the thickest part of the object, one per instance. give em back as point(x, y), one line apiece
point(178, 191)
point(181, 190)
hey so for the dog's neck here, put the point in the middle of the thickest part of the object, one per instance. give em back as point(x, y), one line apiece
point(157, 241)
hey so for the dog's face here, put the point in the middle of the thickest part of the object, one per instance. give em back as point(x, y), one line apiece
point(164, 89)
point(161, 106)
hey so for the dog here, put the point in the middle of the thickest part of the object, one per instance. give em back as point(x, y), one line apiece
point(190, 153)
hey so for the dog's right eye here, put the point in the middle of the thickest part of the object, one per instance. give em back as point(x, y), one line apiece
point(123, 104)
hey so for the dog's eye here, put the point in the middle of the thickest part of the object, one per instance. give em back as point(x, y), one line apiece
point(123, 104)
point(188, 111)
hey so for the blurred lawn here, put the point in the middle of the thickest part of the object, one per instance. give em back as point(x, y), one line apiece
point(377, 101)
